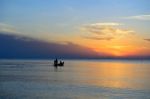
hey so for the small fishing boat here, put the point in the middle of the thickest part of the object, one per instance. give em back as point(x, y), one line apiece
point(61, 63)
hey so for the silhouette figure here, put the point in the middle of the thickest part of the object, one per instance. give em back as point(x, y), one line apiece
point(56, 63)
point(61, 63)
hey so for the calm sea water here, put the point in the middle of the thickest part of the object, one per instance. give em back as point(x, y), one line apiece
point(79, 79)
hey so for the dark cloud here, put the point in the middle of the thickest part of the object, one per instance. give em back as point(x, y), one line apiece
point(147, 40)
point(14, 46)
point(99, 38)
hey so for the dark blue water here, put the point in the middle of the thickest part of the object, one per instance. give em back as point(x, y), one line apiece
point(79, 79)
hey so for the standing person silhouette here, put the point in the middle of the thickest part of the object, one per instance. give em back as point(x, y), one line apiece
point(55, 63)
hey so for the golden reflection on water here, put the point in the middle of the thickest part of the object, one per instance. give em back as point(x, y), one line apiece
point(115, 74)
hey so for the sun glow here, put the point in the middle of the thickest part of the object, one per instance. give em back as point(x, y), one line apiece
point(118, 50)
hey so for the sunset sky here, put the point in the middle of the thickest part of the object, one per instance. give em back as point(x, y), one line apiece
point(118, 28)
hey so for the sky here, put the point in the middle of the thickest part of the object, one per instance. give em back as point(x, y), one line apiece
point(116, 28)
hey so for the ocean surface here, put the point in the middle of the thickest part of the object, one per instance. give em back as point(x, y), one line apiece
point(78, 79)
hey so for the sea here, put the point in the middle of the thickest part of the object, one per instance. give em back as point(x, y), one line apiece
point(78, 79)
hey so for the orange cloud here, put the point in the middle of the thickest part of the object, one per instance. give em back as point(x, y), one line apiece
point(147, 40)
point(98, 38)
point(105, 29)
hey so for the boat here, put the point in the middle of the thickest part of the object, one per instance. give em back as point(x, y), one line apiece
point(61, 64)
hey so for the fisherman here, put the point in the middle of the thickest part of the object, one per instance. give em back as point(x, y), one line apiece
point(55, 62)
point(61, 63)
